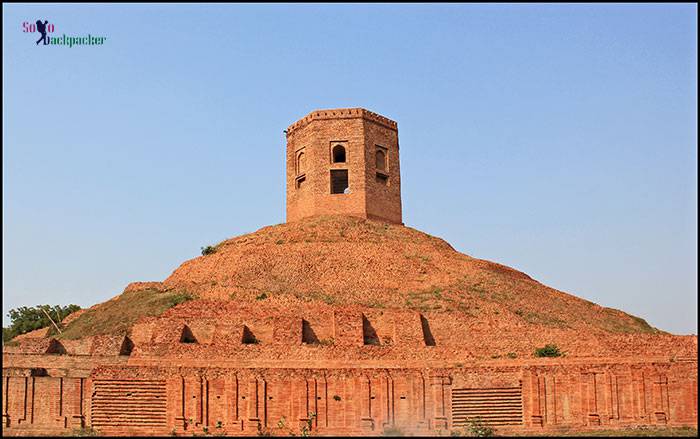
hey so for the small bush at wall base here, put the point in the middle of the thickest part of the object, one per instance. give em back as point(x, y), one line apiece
point(263, 431)
point(306, 428)
point(83, 431)
point(550, 350)
point(478, 429)
point(475, 428)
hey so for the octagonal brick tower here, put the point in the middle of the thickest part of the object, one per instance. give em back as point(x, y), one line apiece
point(343, 161)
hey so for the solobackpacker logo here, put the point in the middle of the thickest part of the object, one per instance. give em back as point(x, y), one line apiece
point(44, 28)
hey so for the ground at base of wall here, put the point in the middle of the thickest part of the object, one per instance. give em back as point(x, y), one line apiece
point(627, 432)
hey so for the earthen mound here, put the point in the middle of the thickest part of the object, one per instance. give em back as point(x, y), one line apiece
point(325, 281)
point(343, 260)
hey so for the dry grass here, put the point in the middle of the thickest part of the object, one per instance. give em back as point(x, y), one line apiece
point(118, 315)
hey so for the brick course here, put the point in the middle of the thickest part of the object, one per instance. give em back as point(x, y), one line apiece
point(538, 396)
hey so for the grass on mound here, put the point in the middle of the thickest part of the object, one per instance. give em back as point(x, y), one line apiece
point(115, 317)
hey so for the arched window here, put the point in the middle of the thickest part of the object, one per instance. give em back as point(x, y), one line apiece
point(381, 160)
point(338, 154)
point(301, 163)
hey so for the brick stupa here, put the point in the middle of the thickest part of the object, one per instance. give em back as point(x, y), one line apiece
point(345, 321)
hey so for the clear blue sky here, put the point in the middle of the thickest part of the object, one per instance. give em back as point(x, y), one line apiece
point(559, 140)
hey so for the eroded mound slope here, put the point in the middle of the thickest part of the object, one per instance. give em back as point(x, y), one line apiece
point(351, 261)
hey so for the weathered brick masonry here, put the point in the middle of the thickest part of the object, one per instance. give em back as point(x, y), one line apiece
point(363, 326)
point(134, 394)
point(356, 141)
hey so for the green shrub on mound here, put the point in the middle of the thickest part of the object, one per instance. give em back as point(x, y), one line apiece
point(550, 350)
